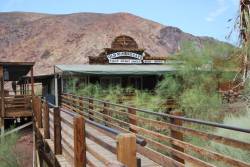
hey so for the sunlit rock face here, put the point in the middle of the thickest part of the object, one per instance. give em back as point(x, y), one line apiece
point(65, 39)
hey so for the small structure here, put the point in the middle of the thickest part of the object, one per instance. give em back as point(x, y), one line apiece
point(47, 85)
point(16, 103)
point(138, 76)
point(123, 64)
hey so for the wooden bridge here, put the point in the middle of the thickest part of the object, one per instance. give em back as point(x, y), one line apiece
point(88, 132)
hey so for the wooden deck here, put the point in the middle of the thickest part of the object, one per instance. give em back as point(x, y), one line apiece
point(66, 161)
point(17, 106)
point(85, 133)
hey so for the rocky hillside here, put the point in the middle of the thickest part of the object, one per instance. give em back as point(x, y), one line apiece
point(56, 39)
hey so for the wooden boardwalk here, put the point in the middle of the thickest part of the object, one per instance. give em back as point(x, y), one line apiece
point(95, 133)
point(66, 159)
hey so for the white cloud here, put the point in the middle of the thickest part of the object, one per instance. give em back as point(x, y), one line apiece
point(222, 7)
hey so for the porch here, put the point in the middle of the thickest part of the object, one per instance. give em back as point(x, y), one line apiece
point(16, 100)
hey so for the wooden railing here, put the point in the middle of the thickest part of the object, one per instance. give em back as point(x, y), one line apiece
point(16, 105)
point(167, 135)
point(65, 134)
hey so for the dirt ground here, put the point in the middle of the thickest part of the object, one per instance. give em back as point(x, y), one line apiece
point(24, 147)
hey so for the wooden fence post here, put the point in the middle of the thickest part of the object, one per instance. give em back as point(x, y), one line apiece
point(57, 131)
point(46, 121)
point(177, 135)
point(126, 149)
point(132, 121)
point(81, 103)
point(106, 113)
point(91, 107)
point(79, 142)
point(39, 112)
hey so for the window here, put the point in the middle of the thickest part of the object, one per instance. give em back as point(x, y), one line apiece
point(135, 82)
point(72, 83)
point(110, 81)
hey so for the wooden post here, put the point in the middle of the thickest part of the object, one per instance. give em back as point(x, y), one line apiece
point(79, 142)
point(56, 89)
point(35, 104)
point(20, 89)
point(39, 112)
point(81, 103)
point(46, 121)
point(57, 131)
point(105, 112)
point(177, 135)
point(24, 90)
point(27, 87)
point(2, 91)
point(91, 107)
point(59, 89)
point(132, 121)
point(126, 149)
point(32, 82)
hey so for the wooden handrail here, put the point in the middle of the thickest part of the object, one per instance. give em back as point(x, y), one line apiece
point(79, 149)
point(106, 112)
point(162, 114)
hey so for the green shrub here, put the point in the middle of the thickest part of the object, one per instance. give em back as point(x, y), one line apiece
point(8, 157)
point(237, 121)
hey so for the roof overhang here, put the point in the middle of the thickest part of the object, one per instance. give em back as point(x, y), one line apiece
point(114, 69)
point(37, 78)
point(16, 70)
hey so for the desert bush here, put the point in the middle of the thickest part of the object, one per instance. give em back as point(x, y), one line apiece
point(194, 85)
point(8, 157)
point(237, 121)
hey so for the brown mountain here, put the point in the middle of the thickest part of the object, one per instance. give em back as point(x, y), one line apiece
point(71, 38)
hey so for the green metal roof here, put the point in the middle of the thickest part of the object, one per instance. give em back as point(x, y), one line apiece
point(121, 69)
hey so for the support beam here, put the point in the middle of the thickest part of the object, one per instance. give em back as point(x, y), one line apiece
point(32, 82)
point(2, 91)
point(17, 129)
point(56, 91)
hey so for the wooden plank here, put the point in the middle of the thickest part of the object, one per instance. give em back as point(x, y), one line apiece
point(79, 142)
point(57, 132)
point(39, 112)
point(17, 113)
point(126, 149)
point(177, 135)
point(99, 140)
point(201, 151)
point(46, 120)
point(159, 158)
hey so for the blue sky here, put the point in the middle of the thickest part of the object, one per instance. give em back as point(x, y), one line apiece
point(198, 17)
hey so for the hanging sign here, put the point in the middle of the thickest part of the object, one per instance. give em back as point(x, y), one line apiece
point(137, 58)
point(154, 61)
